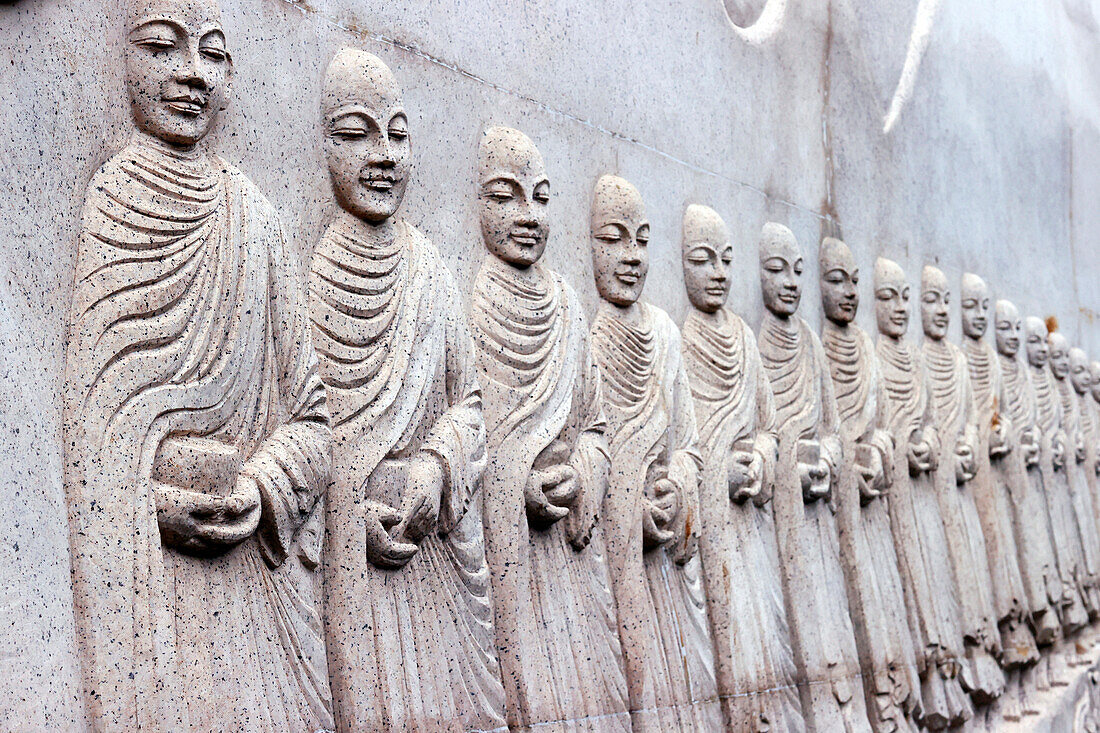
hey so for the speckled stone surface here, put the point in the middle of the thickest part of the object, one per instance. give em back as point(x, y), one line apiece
point(961, 135)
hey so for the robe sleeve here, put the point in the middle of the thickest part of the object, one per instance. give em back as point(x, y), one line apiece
point(590, 459)
point(685, 463)
point(457, 439)
point(970, 410)
point(291, 466)
point(928, 430)
point(766, 442)
point(829, 430)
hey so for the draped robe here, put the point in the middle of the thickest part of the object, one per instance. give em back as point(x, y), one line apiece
point(809, 545)
point(1081, 494)
point(919, 538)
point(187, 327)
point(991, 494)
point(733, 403)
point(1090, 428)
point(555, 623)
point(1064, 534)
point(660, 600)
point(953, 402)
point(412, 648)
point(875, 591)
point(1034, 545)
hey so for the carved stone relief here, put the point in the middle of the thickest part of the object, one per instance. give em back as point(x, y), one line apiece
point(546, 479)
point(1020, 470)
point(403, 524)
point(737, 440)
point(1052, 440)
point(195, 422)
point(953, 406)
point(991, 489)
point(876, 595)
point(805, 502)
point(651, 510)
point(918, 528)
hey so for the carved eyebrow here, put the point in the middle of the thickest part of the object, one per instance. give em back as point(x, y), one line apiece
point(500, 178)
point(352, 110)
point(144, 24)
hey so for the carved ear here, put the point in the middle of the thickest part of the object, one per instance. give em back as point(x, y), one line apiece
point(228, 81)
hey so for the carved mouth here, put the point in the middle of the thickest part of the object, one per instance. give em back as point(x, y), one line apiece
point(847, 306)
point(978, 323)
point(715, 290)
point(189, 106)
point(629, 278)
point(382, 184)
point(525, 239)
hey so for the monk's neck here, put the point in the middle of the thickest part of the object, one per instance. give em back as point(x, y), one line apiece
point(710, 318)
point(380, 235)
point(183, 152)
point(631, 314)
point(528, 275)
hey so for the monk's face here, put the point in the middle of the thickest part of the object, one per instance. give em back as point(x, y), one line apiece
point(892, 303)
point(1079, 373)
point(975, 307)
point(1037, 352)
point(620, 241)
point(1094, 369)
point(934, 300)
point(781, 274)
point(366, 139)
point(707, 255)
point(177, 69)
point(1008, 328)
point(1059, 355)
point(839, 282)
point(513, 198)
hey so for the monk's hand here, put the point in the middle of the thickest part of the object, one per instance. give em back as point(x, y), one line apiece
point(1079, 448)
point(920, 457)
point(964, 463)
point(204, 524)
point(541, 511)
point(1029, 446)
point(998, 441)
point(421, 500)
point(654, 521)
point(746, 474)
point(1058, 446)
point(561, 485)
point(383, 550)
point(870, 478)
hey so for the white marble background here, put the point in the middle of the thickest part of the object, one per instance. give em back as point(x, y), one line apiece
point(993, 165)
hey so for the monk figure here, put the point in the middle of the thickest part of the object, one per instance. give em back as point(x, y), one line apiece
point(876, 594)
point(953, 404)
point(1059, 504)
point(651, 509)
point(195, 425)
point(919, 539)
point(1019, 469)
point(1080, 491)
point(548, 460)
point(737, 438)
point(1089, 422)
point(408, 622)
point(991, 493)
point(808, 470)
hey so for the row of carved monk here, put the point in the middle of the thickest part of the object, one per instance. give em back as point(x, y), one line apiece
point(371, 508)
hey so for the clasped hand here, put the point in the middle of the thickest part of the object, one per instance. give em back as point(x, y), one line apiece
point(550, 493)
point(746, 474)
point(815, 480)
point(393, 536)
point(659, 514)
point(205, 524)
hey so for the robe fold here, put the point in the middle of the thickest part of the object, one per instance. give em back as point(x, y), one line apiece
point(1090, 429)
point(992, 496)
point(1081, 494)
point(409, 649)
point(1034, 545)
point(876, 594)
point(1065, 537)
point(953, 403)
point(556, 633)
point(737, 544)
point(809, 545)
point(919, 538)
point(187, 328)
point(660, 599)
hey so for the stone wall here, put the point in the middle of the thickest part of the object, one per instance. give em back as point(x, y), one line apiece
point(989, 165)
